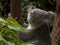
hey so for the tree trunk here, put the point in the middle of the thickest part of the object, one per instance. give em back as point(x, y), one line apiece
point(16, 11)
point(55, 35)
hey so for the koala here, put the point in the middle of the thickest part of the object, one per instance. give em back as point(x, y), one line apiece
point(38, 21)
point(36, 17)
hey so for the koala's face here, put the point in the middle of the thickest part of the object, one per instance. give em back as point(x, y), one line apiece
point(38, 16)
point(29, 17)
point(34, 16)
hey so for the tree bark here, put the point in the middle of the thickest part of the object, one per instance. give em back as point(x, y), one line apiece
point(55, 35)
point(16, 11)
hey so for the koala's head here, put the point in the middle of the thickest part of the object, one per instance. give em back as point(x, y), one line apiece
point(37, 17)
point(34, 17)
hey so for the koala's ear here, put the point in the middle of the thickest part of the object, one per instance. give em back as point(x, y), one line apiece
point(33, 7)
point(30, 8)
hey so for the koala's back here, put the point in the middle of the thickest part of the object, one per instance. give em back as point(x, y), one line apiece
point(38, 36)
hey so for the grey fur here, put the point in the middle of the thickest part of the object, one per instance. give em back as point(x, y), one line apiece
point(40, 16)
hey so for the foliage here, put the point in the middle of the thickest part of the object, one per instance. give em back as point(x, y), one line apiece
point(8, 32)
point(4, 8)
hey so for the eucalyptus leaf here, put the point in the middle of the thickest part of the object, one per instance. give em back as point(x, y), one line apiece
point(1, 38)
point(10, 43)
point(2, 22)
point(2, 43)
point(13, 24)
point(10, 35)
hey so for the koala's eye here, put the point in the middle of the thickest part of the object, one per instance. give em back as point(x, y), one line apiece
point(31, 14)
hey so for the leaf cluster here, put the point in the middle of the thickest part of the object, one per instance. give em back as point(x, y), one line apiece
point(9, 29)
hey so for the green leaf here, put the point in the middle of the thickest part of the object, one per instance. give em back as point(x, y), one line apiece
point(1, 38)
point(3, 43)
point(13, 24)
point(2, 22)
point(10, 35)
point(10, 43)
